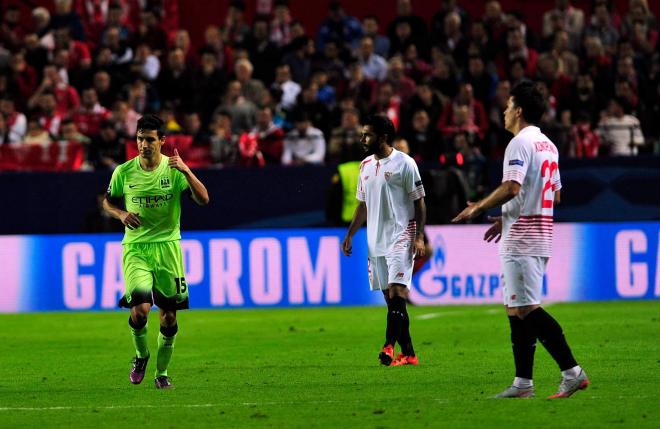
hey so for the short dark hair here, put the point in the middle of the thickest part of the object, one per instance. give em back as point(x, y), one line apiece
point(527, 96)
point(152, 122)
point(382, 126)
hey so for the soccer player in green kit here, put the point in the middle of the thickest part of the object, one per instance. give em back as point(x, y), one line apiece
point(150, 186)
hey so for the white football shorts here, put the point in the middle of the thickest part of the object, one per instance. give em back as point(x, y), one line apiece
point(396, 267)
point(522, 279)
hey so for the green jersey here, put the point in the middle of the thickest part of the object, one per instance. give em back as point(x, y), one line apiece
point(155, 195)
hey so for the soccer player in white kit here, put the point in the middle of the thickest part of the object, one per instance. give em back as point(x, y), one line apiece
point(530, 187)
point(391, 198)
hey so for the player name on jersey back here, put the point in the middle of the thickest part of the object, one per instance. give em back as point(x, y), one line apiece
point(531, 160)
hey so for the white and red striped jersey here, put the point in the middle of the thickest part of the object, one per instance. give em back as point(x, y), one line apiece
point(531, 159)
point(389, 187)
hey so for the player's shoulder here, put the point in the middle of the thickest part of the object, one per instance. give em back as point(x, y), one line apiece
point(366, 161)
point(126, 167)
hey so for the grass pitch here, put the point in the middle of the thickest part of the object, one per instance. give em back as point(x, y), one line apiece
point(319, 368)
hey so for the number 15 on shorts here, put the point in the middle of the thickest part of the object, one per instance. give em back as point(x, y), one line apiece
point(181, 285)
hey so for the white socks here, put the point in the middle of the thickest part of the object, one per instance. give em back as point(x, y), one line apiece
point(522, 383)
point(571, 373)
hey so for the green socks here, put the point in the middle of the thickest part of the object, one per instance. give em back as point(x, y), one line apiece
point(166, 339)
point(139, 335)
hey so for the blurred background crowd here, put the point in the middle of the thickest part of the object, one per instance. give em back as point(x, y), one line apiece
point(266, 91)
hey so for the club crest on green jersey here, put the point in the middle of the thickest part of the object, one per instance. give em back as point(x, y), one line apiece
point(165, 182)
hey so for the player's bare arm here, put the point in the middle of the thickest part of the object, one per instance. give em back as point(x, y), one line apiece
point(419, 248)
point(505, 192)
point(359, 218)
point(199, 192)
point(495, 231)
point(129, 219)
point(557, 197)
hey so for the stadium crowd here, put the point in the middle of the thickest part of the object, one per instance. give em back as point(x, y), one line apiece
point(266, 92)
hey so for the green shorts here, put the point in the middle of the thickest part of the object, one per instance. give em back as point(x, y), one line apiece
point(153, 273)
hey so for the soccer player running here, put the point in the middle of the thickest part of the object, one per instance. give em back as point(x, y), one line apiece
point(391, 201)
point(530, 186)
point(150, 186)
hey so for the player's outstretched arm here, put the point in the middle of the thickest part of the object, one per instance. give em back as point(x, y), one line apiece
point(359, 218)
point(419, 248)
point(131, 220)
point(505, 192)
point(199, 192)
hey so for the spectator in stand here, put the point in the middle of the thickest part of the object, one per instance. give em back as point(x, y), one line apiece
point(495, 21)
point(481, 40)
point(108, 149)
point(570, 19)
point(415, 68)
point(373, 66)
point(251, 89)
point(297, 30)
point(175, 82)
point(316, 111)
point(125, 117)
point(182, 41)
point(115, 18)
point(12, 31)
point(620, 131)
point(49, 117)
point(224, 54)
point(122, 53)
point(41, 27)
point(4, 132)
point(66, 17)
point(79, 53)
point(387, 103)
point(36, 134)
point(516, 49)
point(224, 143)
point(558, 83)
point(304, 144)
point(561, 50)
point(465, 114)
point(438, 20)
point(443, 76)
point(344, 142)
point(23, 80)
point(423, 139)
point(89, 116)
point(344, 29)
point(235, 31)
point(262, 52)
point(192, 126)
point(471, 162)
point(280, 25)
point(585, 142)
point(452, 41)
point(67, 97)
point(141, 97)
point(625, 70)
point(403, 86)
point(288, 89)
point(498, 137)
point(69, 133)
point(370, 28)
point(16, 122)
point(299, 58)
point(424, 99)
point(330, 63)
point(104, 91)
point(36, 55)
point(208, 84)
point(241, 110)
point(269, 137)
point(401, 145)
point(600, 25)
point(150, 32)
point(417, 25)
point(145, 63)
point(483, 82)
point(641, 27)
point(357, 87)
